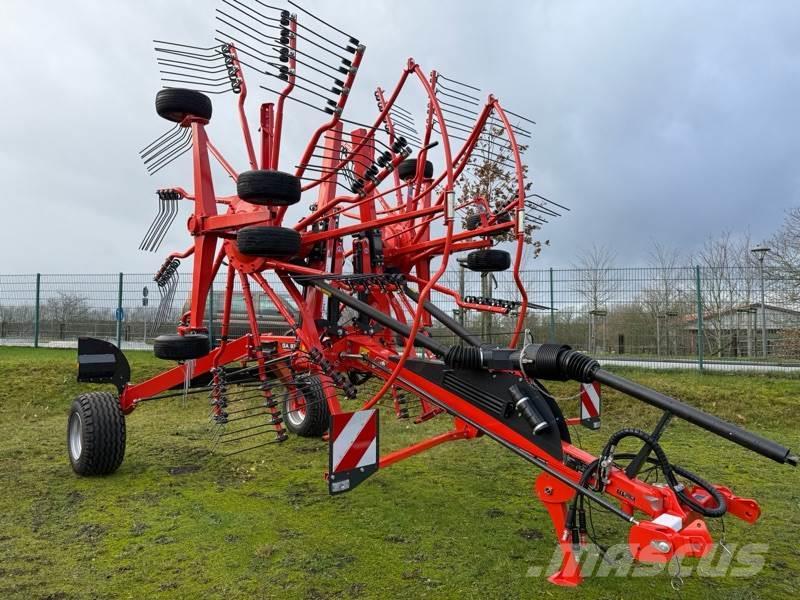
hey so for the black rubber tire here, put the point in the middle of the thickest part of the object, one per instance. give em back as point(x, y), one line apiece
point(408, 169)
point(268, 242)
point(175, 104)
point(268, 188)
point(102, 434)
point(316, 420)
point(503, 217)
point(488, 261)
point(472, 221)
point(181, 347)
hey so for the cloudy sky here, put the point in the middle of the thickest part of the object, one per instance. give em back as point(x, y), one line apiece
point(656, 121)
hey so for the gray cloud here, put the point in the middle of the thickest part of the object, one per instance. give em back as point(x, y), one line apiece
point(656, 121)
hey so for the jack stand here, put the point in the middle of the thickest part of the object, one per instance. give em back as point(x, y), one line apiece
point(555, 496)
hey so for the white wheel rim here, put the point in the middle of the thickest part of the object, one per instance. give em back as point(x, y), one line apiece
point(75, 436)
point(296, 412)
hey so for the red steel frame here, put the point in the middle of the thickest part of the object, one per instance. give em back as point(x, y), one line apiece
point(405, 217)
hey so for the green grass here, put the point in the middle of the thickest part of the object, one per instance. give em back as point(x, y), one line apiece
point(458, 521)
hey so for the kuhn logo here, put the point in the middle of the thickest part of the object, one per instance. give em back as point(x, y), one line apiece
point(625, 494)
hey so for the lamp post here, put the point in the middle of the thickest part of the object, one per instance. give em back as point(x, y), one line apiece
point(760, 252)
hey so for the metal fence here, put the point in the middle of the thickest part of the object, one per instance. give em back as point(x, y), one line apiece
point(679, 317)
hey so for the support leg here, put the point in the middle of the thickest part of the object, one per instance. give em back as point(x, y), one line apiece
point(555, 496)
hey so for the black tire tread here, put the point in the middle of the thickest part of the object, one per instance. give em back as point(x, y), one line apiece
point(408, 169)
point(268, 188)
point(268, 242)
point(488, 261)
point(175, 104)
point(181, 347)
point(318, 415)
point(104, 434)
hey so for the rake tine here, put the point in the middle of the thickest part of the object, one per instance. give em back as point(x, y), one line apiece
point(165, 154)
point(172, 129)
point(152, 228)
point(549, 201)
point(163, 209)
point(452, 112)
point(195, 77)
point(402, 110)
point(186, 66)
point(541, 209)
point(302, 37)
point(316, 18)
point(455, 98)
point(170, 220)
point(188, 55)
point(395, 111)
point(153, 150)
point(472, 87)
point(444, 87)
point(242, 430)
point(179, 151)
point(520, 117)
point(166, 145)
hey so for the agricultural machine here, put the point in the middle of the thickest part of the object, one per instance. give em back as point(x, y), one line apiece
point(353, 274)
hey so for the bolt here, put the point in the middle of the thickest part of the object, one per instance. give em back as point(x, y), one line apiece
point(548, 491)
point(660, 545)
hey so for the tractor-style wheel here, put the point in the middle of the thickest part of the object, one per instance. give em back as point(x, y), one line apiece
point(268, 188)
point(488, 261)
point(175, 104)
point(408, 169)
point(181, 347)
point(95, 434)
point(306, 413)
point(268, 242)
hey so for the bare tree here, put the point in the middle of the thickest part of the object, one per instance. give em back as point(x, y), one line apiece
point(727, 280)
point(665, 296)
point(66, 307)
point(784, 258)
point(596, 285)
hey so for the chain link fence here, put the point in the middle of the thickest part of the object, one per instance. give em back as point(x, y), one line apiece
point(689, 317)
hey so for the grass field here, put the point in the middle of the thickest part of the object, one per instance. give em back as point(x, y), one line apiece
point(458, 521)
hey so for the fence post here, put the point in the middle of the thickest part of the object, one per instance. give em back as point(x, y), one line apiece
point(119, 314)
point(211, 313)
point(37, 311)
point(552, 309)
point(700, 334)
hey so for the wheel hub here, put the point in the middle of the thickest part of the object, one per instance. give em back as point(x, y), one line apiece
point(75, 436)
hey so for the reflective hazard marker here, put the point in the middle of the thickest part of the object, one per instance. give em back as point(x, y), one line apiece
point(590, 405)
point(353, 449)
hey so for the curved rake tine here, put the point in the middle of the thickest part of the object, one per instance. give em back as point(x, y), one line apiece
point(175, 130)
point(145, 240)
point(165, 145)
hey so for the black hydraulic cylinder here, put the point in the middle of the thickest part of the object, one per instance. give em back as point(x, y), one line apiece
point(722, 428)
point(377, 316)
point(445, 319)
point(527, 410)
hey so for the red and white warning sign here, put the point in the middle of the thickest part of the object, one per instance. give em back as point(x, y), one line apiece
point(353, 447)
point(590, 405)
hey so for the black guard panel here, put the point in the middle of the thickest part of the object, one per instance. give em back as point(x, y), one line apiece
point(489, 392)
point(100, 361)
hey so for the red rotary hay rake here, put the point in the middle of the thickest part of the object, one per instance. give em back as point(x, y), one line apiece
point(360, 267)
